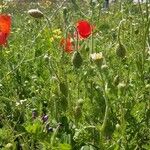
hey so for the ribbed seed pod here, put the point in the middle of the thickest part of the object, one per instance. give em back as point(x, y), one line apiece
point(77, 59)
point(121, 50)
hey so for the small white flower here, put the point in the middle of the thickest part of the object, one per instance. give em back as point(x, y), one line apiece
point(96, 56)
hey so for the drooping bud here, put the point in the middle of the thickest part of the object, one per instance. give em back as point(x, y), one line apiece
point(121, 50)
point(35, 13)
point(77, 59)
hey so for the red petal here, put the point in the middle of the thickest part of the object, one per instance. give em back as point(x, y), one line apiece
point(67, 44)
point(84, 28)
point(5, 23)
point(3, 38)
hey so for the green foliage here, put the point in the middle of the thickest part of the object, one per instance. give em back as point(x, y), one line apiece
point(52, 100)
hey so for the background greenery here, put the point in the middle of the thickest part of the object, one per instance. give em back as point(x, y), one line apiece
point(37, 79)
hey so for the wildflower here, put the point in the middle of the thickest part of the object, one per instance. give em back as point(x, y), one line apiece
point(97, 58)
point(44, 118)
point(67, 44)
point(84, 29)
point(35, 13)
point(48, 128)
point(5, 25)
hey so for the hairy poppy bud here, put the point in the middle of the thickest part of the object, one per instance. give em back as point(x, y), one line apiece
point(63, 88)
point(77, 59)
point(121, 50)
point(35, 13)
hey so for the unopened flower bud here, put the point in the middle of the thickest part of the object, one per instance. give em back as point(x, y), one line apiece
point(121, 50)
point(77, 59)
point(63, 88)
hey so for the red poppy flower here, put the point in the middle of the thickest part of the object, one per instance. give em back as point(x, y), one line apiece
point(84, 28)
point(5, 25)
point(67, 44)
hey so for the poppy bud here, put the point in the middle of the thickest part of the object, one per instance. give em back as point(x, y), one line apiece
point(121, 50)
point(63, 88)
point(35, 13)
point(77, 59)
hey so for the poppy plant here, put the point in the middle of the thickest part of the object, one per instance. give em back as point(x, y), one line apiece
point(5, 25)
point(67, 44)
point(84, 28)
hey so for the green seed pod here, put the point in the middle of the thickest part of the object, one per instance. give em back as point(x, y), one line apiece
point(121, 50)
point(63, 88)
point(77, 59)
point(35, 13)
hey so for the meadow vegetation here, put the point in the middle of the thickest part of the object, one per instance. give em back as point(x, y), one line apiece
point(75, 76)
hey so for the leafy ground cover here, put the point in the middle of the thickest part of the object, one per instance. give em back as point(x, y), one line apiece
point(75, 76)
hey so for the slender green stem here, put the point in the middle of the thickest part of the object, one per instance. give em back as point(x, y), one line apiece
point(77, 34)
point(104, 85)
point(119, 30)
